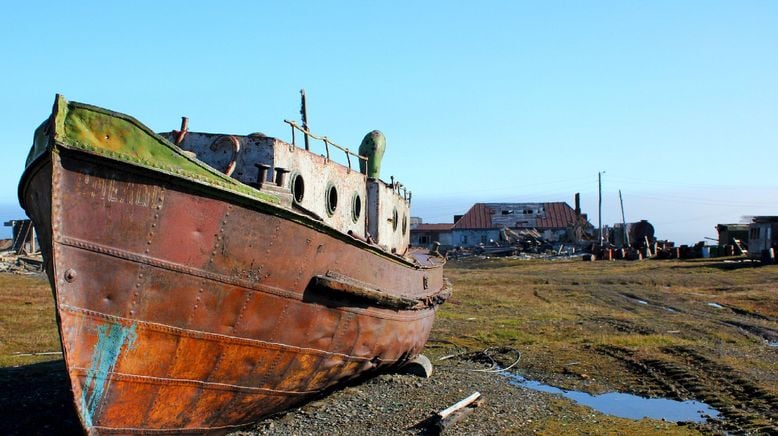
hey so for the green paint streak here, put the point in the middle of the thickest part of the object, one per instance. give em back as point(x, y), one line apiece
point(51, 128)
point(111, 339)
point(124, 139)
point(40, 143)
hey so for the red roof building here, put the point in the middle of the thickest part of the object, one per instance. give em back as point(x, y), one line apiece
point(482, 223)
point(539, 216)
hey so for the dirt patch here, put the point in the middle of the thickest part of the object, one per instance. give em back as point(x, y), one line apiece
point(403, 404)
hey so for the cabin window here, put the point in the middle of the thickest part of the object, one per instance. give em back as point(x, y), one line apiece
point(298, 188)
point(331, 199)
point(483, 239)
point(405, 224)
point(356, 207)
point(423, 240)
point(754, 233)
point(463, 239)
point(527, 211)
point(394, 219)
point(507, 212)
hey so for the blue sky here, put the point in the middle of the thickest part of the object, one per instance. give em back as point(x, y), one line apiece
point(480, 101)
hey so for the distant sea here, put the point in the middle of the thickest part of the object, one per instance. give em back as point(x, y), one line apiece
point(10, 212)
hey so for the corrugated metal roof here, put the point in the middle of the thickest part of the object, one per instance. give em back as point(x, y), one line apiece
point(432, 227)
point(552, 215)
point(478, 217)
point(557, 215)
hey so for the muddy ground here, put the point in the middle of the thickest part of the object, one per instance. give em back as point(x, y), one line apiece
point(702, 330)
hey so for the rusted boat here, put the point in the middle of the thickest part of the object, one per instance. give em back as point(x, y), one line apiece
point(203, 281)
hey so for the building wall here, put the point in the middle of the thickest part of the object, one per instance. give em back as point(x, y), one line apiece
point(426, 238)
point(512, 216)
point(761, 236)
point(471, 238)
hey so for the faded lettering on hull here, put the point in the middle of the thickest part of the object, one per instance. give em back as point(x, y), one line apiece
point(115, 191)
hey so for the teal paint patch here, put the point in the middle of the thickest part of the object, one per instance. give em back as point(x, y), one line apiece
point(111, 338)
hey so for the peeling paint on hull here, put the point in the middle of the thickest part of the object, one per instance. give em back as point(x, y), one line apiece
point(111, 340)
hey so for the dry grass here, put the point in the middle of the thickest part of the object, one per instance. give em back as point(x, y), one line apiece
point(560, 311)
point(27, 320)
point(667, 328)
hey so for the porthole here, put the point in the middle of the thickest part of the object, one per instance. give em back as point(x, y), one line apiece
point(356, 207)
point(394, 219)
point(298, 188)
point(405, 224)
point(331, 199)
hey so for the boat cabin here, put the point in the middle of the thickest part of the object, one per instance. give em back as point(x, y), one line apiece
point(344, 197)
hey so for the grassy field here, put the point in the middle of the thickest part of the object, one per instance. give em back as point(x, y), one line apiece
point(703, 330)
point(27, 322)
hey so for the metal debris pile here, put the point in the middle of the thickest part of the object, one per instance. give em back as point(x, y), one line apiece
point(10, 262)
point(21, 253)
point(524, 243)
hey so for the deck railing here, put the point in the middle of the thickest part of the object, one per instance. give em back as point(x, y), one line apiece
point(326, 142)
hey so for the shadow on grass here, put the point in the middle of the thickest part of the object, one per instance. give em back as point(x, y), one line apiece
point(36, 400)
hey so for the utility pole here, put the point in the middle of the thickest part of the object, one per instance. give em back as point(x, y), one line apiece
point(624, 221)
point(599, 211)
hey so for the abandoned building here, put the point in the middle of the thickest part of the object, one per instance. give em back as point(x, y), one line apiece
point(729, 234)
point(483, 224)
point(762, 235)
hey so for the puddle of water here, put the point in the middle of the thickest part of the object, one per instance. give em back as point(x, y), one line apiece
point(716, 305)
point(646, 303)
point(627, 405)
point(636, 300)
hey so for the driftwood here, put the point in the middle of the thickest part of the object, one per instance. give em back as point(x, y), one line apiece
point(445, 413)
point(44, 353)
point(449, 416)
point(456, 412)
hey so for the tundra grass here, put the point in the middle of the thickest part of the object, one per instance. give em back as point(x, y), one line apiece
point(27, 322)
point(560, 313)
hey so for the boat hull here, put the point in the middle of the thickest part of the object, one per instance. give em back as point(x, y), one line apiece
point(184, 310)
